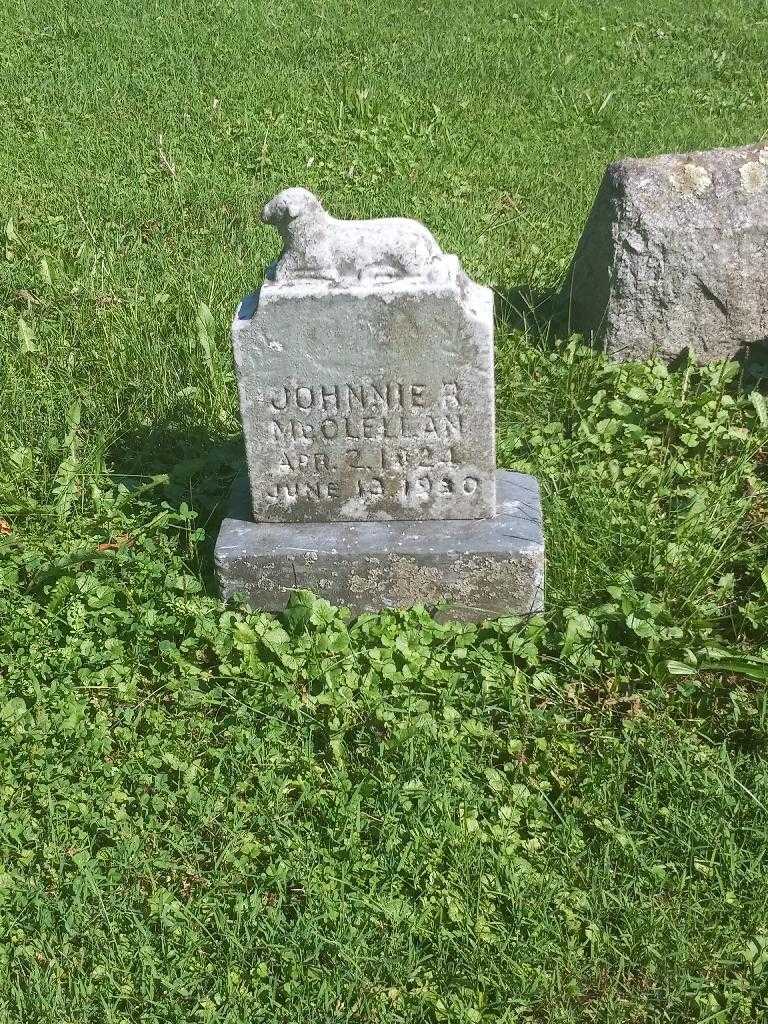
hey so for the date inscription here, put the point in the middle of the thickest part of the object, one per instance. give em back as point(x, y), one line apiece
point(363, 443)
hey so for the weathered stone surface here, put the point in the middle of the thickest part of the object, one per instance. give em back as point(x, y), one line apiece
point(674, 256)
point(365, 368)
point(482, 568)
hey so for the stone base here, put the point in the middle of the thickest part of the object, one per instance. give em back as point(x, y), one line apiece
point(477, 568)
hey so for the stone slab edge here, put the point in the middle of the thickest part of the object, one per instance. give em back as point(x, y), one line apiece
point(482, 568)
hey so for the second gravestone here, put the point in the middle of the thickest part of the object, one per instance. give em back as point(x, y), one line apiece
point(365, 368)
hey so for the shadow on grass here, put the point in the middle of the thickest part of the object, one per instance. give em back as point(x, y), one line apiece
point(754, 361)
point(200, 466)
point(542, 313)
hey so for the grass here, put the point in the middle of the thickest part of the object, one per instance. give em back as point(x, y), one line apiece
point(219, 816)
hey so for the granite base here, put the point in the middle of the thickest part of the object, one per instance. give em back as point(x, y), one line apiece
point(473, 569)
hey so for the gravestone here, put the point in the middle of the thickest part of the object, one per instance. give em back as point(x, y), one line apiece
point(673, 256)
point(365, 371)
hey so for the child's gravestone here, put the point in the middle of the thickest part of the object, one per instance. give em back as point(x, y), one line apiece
point(365, 368)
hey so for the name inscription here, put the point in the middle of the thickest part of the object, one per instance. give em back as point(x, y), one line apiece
point(332, 442)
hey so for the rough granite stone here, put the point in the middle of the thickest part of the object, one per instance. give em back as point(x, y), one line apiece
point(483, 568)
point(674, 256)
point(365, 369)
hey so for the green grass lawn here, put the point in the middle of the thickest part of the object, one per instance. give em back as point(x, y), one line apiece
point(209, 815)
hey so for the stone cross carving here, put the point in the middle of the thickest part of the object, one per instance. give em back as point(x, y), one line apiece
point(317, 246)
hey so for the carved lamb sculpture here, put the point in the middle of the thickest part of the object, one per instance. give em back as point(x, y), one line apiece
point(317, 246)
